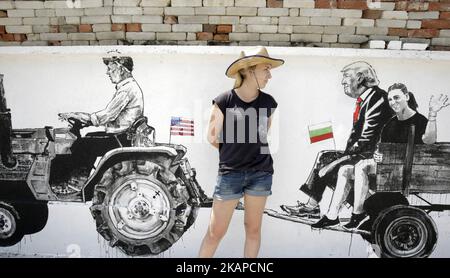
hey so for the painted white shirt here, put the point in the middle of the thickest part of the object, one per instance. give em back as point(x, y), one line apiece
point(126, 106)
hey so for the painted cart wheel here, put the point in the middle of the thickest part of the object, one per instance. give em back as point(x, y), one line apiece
point(405, 232)
point(139, 210)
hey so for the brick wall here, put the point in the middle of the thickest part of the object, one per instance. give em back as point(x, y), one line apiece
point(323, 23)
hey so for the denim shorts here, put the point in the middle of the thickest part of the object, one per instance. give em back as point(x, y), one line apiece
point(233, 185)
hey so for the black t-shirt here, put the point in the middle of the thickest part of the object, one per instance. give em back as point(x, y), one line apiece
point(396, 131)
point(243, 140)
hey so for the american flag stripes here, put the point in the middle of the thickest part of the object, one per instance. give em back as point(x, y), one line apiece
point(181, 126)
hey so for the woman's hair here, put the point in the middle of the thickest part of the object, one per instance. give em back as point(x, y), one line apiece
point(412, 103)
point(241, 71)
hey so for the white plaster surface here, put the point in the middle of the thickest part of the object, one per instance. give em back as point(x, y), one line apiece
point(181, 81)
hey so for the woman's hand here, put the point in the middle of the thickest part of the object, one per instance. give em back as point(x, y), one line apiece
point(215, 125)
point(437, 103)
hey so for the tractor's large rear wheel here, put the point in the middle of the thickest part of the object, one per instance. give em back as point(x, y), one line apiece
point(141, 208)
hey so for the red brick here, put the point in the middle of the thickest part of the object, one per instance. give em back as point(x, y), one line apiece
point(417, 6)
point(224, 29)
point(204, 36)
point(401, 5)
point(210, 28)
point(274, 3)
point(436, 24)
point(2, 29)
point(358, 5)
point(398, 32)
point(134, 27)
point(3, 14)
point(372, 14)
point(423, 33)
point(20, 37)
point(118, 27)
point(54, 29)
point(326, 4)
point(8, 37)
point(434, 6)
point(85, 28)
point(444, 15)
point(221, 37)
point(170, 19)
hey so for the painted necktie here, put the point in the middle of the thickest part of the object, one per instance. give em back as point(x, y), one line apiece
point(357, 108)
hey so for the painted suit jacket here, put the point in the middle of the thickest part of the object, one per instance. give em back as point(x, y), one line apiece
point(373, 115)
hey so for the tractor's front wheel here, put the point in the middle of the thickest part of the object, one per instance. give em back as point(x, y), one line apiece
point(11, 231)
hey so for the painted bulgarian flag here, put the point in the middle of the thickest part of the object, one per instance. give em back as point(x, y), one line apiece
point(320, 132)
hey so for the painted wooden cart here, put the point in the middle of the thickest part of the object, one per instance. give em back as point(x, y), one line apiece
point(398, 228)
point(408, 230)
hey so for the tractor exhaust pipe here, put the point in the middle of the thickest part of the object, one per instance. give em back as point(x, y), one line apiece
point(8, 160)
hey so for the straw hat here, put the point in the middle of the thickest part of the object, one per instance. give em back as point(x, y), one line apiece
point(248, 59)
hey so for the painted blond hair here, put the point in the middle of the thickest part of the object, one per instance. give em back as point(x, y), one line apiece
point(369, 75)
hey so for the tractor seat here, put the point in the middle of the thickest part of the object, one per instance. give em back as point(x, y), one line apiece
point(137, 123)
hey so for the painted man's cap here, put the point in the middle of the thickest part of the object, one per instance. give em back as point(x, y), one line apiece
point(123, 61)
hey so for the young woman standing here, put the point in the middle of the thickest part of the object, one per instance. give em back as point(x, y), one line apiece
point(238, 127)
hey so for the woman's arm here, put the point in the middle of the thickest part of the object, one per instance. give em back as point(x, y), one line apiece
point(215, 126)
point(436, 104)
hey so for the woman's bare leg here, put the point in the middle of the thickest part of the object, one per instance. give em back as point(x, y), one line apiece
point(221, 214)
point(254, 209)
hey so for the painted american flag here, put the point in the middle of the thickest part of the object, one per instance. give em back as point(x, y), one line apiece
point(181, 126)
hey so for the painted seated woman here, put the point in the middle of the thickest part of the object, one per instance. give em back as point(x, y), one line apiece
point(405, 106)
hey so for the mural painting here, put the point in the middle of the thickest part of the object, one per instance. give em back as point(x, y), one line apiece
point(143, 195)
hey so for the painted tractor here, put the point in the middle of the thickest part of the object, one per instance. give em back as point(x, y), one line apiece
point(144, 197)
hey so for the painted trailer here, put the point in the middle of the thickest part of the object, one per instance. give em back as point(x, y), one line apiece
point(398, 228)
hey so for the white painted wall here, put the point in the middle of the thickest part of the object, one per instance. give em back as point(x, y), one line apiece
point(181, 81)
